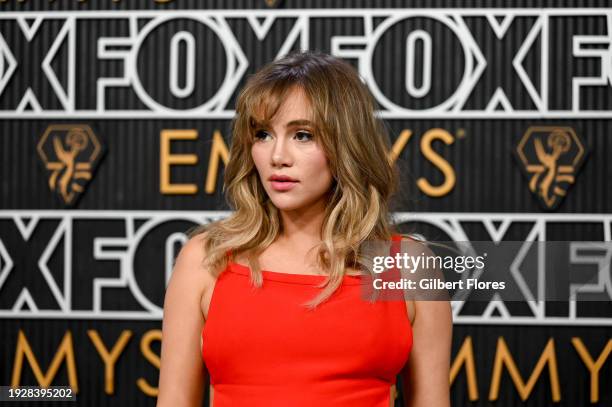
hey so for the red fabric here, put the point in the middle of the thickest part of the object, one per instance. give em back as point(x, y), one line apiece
point(263, 348)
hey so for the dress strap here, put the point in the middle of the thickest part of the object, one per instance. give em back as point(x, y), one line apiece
point(396, 243)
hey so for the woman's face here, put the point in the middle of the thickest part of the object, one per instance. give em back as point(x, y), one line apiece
point(288, 147)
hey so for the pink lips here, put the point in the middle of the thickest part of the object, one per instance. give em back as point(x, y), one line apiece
point(283, 185)
point(282, 182)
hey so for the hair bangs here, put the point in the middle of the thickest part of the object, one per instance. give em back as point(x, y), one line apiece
point(263, 102)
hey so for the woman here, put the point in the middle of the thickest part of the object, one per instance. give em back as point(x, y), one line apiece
point(269, 298)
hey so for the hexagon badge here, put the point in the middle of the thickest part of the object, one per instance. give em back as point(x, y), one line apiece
point(70, 153)
point(550, 157)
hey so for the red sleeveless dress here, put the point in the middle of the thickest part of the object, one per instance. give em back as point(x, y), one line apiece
point(262, 348)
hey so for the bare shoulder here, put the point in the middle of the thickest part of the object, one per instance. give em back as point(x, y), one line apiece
point(415, 247)
point(190, 280)
point(189, 270)
point(436, 308)
point(192, 251)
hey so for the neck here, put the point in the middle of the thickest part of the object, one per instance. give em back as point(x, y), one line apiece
point(302, 227)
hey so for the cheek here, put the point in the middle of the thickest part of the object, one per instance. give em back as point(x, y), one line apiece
point(320, 166)
point(317, 157)
point(324, 164)
point(257, 156)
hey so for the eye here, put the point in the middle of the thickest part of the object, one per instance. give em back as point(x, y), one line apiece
point(304, 135)
point(261, 134)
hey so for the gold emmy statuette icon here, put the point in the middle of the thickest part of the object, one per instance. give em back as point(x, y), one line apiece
point(550, 157)
point(70, 153)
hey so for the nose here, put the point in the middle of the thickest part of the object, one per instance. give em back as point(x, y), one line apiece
point(281, 156)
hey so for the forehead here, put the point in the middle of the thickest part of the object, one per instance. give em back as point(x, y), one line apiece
point(293, 105)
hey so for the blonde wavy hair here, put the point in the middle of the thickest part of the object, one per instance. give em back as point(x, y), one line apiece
point(357, 146)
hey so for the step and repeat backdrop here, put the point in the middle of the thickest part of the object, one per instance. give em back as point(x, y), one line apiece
point(115, 128)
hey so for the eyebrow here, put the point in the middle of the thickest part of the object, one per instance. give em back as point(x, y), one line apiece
point(254, 123)
point(300, 122)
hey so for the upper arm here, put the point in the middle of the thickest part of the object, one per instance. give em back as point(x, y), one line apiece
point(425, 377)
point(182, 372)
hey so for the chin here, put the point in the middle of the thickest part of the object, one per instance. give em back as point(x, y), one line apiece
point(287, 204)
point(284, 206)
